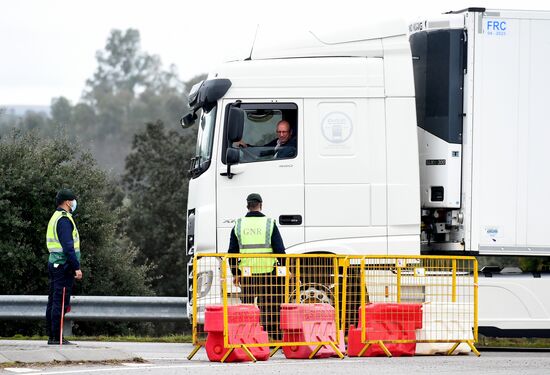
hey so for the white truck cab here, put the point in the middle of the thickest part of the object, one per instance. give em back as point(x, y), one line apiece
point(351, 185)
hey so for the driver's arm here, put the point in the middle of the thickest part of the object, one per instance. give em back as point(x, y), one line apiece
point(241, 143)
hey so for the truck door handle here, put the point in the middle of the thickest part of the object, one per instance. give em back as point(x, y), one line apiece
point(290, 219)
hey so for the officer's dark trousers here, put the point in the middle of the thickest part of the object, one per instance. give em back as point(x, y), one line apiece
point(60, 277)
point(267, 289)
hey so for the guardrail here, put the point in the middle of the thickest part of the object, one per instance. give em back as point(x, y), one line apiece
point(97, 308)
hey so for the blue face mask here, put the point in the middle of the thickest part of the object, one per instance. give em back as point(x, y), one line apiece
point(73, 205)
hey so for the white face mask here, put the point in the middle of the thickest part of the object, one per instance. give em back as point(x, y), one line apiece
point(73, 205)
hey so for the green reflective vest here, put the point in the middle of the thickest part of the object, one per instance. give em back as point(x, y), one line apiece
point(254, 235)
point(52, 242)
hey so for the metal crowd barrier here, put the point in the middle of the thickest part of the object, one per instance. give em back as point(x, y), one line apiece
point(307, 304)
point(430, 301)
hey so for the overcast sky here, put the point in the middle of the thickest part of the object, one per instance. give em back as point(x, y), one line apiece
point(48, 46)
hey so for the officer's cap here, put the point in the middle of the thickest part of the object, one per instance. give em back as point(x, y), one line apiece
point(65, 195)
point(254, 197)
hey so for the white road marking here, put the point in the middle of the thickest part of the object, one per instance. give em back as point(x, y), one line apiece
point(164, 358)
point(20, 370)
point(133, 364)
point(189, 366)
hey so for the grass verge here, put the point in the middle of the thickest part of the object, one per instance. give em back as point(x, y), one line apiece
point(501, 342)
point(165, 339)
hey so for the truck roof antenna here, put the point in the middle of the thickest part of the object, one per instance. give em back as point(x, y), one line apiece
point(253, 43)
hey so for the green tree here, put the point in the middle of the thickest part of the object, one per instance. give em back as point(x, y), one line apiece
point(123, 68)
point(83, 121)
point(31, 172)
point(61, 111)
point(5, 119)
point(34, 121)
point(128, 89)
point(156, 185)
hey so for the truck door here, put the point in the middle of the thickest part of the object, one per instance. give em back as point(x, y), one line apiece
point(275, 171)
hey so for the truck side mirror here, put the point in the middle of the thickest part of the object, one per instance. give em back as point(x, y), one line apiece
point(188, 120)
point(235, 124)
point(231, 158)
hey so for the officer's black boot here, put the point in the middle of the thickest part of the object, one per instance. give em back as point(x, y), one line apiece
point(55, 341)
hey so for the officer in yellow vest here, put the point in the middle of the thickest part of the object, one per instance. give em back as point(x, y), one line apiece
point(257, 234)
point(63, 243)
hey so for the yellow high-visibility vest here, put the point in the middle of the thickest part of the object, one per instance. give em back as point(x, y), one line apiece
point(254, 235)
point(52, 241)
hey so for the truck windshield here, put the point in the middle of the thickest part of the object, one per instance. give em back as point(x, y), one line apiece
point(205, 138)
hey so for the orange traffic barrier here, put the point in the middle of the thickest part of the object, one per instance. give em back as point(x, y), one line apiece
point(309, 323)
point(386, 323)
point(243, 329)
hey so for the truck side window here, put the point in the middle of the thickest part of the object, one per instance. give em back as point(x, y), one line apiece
point(270, 132)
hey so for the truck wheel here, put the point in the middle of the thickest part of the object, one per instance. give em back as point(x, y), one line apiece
point(314, 293)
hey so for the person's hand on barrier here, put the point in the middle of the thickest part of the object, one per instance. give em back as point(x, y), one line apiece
point(236, 281)
point(78, 274)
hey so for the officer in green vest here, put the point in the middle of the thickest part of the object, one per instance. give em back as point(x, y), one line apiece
point(63, 243)
point(257, 234)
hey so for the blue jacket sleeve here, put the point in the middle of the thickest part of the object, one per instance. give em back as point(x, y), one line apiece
point(65, 235)
point(233, 249)
point(277, 241)
point(277, 245)
point(233, 243)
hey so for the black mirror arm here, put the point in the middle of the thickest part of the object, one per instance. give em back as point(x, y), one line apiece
point(228, 173)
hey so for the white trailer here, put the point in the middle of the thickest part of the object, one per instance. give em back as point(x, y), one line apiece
point(481, 82)
point(431, 140)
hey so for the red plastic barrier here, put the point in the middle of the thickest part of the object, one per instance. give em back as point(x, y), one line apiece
point(243, 328)
point(386, 322)
point(312, 322)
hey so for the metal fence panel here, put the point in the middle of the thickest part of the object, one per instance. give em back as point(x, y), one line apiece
point(279, 301)
point(425, 299)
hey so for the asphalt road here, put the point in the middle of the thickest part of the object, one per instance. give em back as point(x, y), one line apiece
point(171, 359)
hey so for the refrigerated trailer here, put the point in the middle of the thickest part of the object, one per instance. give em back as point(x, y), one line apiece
point(481, 84)
point(421, 139)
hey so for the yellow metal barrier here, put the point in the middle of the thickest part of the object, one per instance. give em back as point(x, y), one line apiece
point(297, 297)
point(273, 297)
point(427, 300)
